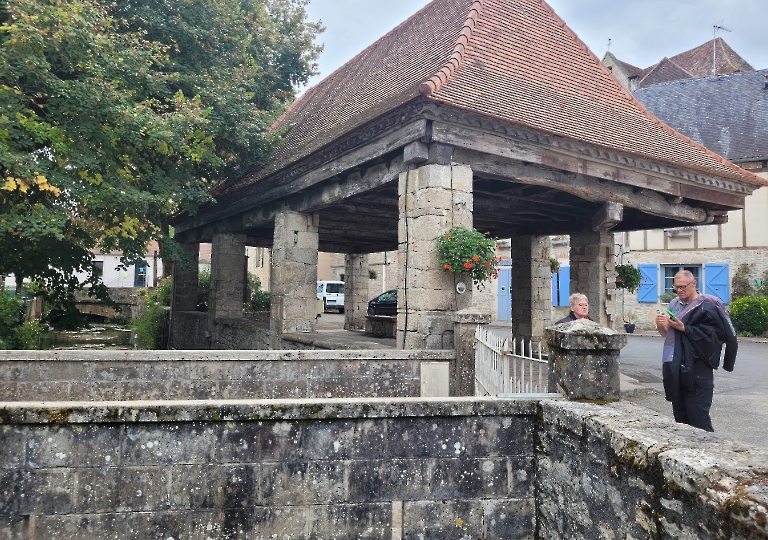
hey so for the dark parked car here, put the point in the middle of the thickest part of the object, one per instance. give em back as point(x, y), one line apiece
point(384, 304)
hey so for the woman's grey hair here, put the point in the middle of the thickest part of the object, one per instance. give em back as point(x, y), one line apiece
point(575, 298)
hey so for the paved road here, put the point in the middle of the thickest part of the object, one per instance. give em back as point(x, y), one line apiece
point(740, 406)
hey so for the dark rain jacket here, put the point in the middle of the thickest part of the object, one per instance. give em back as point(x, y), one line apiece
point(697, 350)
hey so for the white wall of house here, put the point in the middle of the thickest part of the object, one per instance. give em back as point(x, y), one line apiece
point(706, 250)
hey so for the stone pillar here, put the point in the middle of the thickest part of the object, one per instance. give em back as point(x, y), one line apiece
point(227, 276)
point(355, 291)
point(593, 274)
point(184, 297)
point(584, 360)
point(293, 280)
point(531, 287)
point(462, 382)
point(433, 198)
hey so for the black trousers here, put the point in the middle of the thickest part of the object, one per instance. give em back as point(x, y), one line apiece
point(692, 406)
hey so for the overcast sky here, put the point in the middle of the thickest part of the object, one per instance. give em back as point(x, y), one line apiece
point(642, 32)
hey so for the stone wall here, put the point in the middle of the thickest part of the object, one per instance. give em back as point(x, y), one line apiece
point(170, 375)
point(194, 330)
point(317, 469)
point(622, 471)
point(482, 468)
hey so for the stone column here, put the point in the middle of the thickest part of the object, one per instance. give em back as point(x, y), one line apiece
point(355, 291)
point(184, 297)
point(433, 198)
point(462, 382)
point(584, 360)
point(531, 287)
point(593, 274)
point(293, 280)
point(227, 276)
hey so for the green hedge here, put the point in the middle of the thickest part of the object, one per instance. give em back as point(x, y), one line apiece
point(750, 315)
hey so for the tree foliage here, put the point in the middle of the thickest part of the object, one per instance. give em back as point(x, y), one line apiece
point(113, 116)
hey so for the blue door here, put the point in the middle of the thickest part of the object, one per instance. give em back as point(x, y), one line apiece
point(504, 309)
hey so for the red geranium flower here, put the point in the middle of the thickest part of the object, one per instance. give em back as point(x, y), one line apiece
point(475, 258)
point(447, 266)
point(467, 265)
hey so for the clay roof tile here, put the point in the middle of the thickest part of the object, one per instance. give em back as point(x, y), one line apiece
point(514, 60)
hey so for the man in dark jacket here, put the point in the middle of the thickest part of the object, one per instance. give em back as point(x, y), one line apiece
point(694, 339)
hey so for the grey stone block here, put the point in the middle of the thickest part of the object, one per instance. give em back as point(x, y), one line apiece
point(328, 441)
point(426, 437)
point(73, 446)
point(288, 522)
point(514, 519)
point(199, 487)
point(168, 444)
point(388, 480)
point(143, 489)
point(45, 491)
point(97, 489)
point(500, 436)
point(15, 528)
point(285, 484)
point(13, 447)
point(446, 520)
point(351, 521)
point(160, 525)
point(468, 478)
point(81, 527)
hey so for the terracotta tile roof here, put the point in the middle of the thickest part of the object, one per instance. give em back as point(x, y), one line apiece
point(698, 61)
point(664, 71)
point(514, 60)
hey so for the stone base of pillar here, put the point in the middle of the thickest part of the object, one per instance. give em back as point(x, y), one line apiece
point(465, 322)
point(531, 287)
point(593, 274)
point(584, 361)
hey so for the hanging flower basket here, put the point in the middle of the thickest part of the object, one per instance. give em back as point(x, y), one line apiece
point(554, 266)
point(628, 277)
point(468, 251)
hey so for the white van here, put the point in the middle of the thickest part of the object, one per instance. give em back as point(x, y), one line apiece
point(332, 294)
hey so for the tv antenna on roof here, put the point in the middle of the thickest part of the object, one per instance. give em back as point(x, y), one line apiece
point(609, 44)
point(715, 29)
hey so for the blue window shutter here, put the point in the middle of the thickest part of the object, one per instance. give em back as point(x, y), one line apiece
point(565, 285)
point(649, 283)
point(716, 281)
point(555, 291)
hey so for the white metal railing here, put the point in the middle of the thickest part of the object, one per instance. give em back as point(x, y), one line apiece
point(500, 369)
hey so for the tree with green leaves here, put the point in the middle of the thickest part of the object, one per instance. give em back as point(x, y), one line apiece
point(114, 116)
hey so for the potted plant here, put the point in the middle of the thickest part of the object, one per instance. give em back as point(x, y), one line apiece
point(629, 322)
point(628, 277)
point(468, 251)
point(554, 266)
point(667, 297)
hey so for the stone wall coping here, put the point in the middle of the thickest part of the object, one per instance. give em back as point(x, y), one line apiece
point(101, 412)
point(699, 462)
point(471, 316)
point(228, 355)
point(584, 335)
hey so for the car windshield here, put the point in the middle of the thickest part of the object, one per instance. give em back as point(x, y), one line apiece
point(389, 295)
point(337, 288)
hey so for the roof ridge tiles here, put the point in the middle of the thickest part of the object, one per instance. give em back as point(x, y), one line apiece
point(436, 81)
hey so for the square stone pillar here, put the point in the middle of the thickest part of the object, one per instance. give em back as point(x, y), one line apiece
point(355, 291)
point(462, 382)
point(593, 273)
point(433, 198)
point(531, 287)
point(228, 270)
point(293, 280)
point(584, 360)
point(185, 281)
